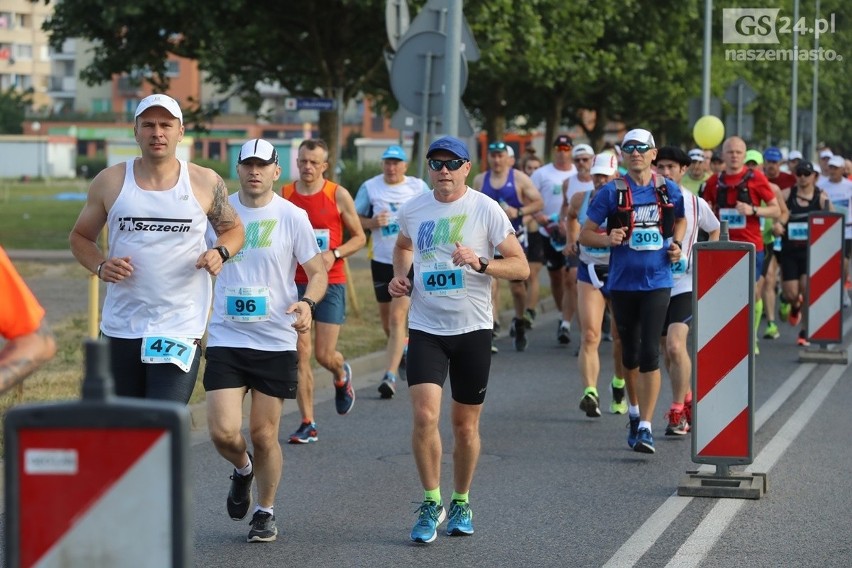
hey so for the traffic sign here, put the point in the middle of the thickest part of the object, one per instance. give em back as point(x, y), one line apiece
point(297, 103)
point(396, 21)
point(433, 18)
point(740, 88)
point(417, 72)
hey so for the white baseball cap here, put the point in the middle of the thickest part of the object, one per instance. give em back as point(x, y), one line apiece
point(159, 100)
point(639, 135)
point(795, 155)
point(258, 149)
point(837, 161)
point(605, 164)
point(696, 155)
point(826, 154)
point(582, 150)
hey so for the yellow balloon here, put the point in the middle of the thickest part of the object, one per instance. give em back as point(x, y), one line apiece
point(708, 132)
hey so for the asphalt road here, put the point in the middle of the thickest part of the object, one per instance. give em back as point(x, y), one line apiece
point(553, 487)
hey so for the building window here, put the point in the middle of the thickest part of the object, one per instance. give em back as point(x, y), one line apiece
point(101, 105)
point(377, 122)
point(172, 68)
point(23, 51)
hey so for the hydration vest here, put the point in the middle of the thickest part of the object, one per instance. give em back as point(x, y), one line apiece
point(623, 216)
point(742, 192)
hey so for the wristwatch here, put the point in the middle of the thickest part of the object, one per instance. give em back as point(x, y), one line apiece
point(336, 253)
point(223, 252)
point(311, 304)
point(483, 264)
point(753, 210)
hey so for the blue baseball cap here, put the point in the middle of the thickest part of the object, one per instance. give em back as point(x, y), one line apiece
point(395, 153)
point(452, 145)
point(773, 154)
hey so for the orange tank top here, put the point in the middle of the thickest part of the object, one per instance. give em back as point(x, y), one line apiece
point(20, 314)
point(326, 221)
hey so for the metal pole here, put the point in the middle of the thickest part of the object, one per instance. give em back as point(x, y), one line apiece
point(452, 68)
point(794, 86)
point(705, 77)
point(338, 166)
point(424, 113)
point(815, 93)
point(739, 109)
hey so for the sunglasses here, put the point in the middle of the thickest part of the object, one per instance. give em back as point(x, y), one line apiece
point(563, 148)
point(452, 165)
point(804, 173)
point(641, 148)
point(497, 147)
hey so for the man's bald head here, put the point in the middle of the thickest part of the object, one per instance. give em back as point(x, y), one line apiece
point(733, 154)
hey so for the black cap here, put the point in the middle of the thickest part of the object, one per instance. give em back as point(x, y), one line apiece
point(805, 169)
point(563, 140)
point(674, 154)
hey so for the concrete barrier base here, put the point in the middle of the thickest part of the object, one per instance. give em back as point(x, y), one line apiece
point(739, 486)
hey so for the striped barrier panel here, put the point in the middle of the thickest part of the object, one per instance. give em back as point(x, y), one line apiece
point(723, 343)
point(825, 277)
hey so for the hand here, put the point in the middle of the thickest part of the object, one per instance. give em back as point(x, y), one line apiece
point(674, 253)
point(211, 261)
point(116, 269)
point(302, 323)
point(746, 209)
point(465, 256)
point(382, 219)
point(617, 236)
point(399, 287)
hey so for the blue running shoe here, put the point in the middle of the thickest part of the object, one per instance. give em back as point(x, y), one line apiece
point(644, 442)
point(460, 521)
point(632, 431)
point(429, 516)
point(305, 434)
point(344, 395)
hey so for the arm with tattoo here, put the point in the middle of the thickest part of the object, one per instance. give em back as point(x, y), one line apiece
point(224, 219)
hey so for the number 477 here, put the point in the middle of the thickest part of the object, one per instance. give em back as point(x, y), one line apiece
point(158, 346)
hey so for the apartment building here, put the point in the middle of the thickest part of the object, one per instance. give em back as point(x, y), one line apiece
point(24, 55)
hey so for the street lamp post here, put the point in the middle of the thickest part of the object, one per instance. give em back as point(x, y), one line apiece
point(36, 128)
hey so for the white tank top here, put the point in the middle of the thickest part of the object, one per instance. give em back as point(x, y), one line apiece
point(163, 234)
point(257, 285)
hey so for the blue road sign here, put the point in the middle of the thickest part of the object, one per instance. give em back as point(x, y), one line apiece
point(315, 104)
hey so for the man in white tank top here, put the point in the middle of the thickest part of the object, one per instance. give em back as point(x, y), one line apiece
point(251, 346)
point(157, 209)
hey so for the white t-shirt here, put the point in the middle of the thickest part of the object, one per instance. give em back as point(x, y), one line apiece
point(576, 186)
point(257, 285)
point(548, 180)
point(163, 234)
point(447, 299)
point(693, 207)
point(840, 195)
point(375, 196)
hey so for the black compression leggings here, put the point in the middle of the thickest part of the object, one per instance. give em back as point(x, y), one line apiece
point(640, 317)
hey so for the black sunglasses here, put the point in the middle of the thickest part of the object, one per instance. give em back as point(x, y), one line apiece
point(804, 172)
point(452, 165)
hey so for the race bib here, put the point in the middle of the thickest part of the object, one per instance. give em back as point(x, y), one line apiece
point(443, 279)
point(177, 350)
point(797, 231)
point(596, 252)
point(247, 304)
point(679, 268)
point(391, 229)
point(323, 239)
point(646, 238)
point(735, 219)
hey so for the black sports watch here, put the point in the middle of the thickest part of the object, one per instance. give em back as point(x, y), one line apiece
point(311, 304)
point(223, 252)
point(483, 264)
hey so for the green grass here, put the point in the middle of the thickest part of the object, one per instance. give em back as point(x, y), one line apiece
point(32, 218)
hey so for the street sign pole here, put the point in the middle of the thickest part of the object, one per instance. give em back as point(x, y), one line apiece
point(453, 68)
point(424, 111)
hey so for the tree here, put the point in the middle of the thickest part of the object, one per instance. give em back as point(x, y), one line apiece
point(330, 49)
point(13, 108)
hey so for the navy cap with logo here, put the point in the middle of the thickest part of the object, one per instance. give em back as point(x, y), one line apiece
point(449, 144)
point(563, 140)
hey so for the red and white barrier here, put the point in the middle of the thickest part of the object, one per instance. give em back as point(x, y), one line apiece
point(825, 277)
point(723, 339)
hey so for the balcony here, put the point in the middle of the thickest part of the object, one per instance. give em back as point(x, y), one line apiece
point(62, 87)
point(67, 53)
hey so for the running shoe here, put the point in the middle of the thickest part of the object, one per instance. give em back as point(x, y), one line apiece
point(618, 404)
point(644, 442)
point(802, 340)
point(239, 496)
point(677, 425)
point(529, 318)
point(263, 527)
point(429, 516)
point(632, 430)
point(590, 405)
point(796, 312)
point(306, 433)
point(519, 339)
point(344, 394)
point(563, 332)
point(494, 347)
point(388, 387)
point(460, 521)
point(771, 331)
